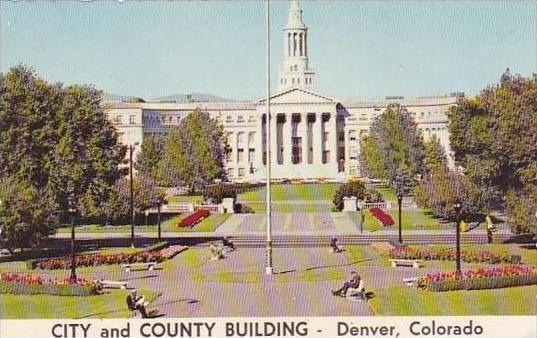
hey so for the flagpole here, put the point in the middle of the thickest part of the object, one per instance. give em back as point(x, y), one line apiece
point(268, 267)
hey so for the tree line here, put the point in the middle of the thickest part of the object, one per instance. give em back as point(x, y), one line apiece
point(493, 137)
point(59, 154)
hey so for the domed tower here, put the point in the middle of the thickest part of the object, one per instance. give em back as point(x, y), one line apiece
point(295, 69)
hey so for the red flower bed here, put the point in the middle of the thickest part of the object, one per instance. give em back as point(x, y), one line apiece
point(194, 218)
point(448, 254)
point(383, 217)
point(482, 278)
point(96, 259)
point(16, 283)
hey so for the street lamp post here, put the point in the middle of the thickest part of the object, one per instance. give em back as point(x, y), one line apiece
point(268, 266)
point(131, 151)
point(400, 202)
point(71, 204)
point(402, 186)
point(457, 208)
point(159, 204)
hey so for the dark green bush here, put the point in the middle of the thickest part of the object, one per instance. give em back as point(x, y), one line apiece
point(357, 189)
point(217, 192)
point(242, 208)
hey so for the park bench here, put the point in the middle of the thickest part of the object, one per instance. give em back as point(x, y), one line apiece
point(411, 281)
point(108, 284)
point(415, 263)
point(140, 266)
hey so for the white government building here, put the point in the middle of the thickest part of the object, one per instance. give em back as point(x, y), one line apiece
point(313, 135)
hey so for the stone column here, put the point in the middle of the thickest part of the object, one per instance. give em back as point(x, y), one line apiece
point(273, 140)
point(303, 132)
point(287, 142)
point(332, 134)
point(259, 143)
point(317, 139)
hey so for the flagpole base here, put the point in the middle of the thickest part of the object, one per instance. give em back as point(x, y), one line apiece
point(268, 270)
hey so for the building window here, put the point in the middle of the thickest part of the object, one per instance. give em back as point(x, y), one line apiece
point(240, 137)
point(241, 172)
point(230, 172)
point(240, 119)
point(251, 155)
point(298, 80)
point(132, 119)
point(251, 138)
point(117, 119)
point(293, 80)
point(240, 155)
point(252, 118)
point(228, 155)
point(229, 119)
point(352, 135)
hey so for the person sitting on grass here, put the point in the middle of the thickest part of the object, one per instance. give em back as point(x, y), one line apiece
point(136, 302)
point(353, 282)
point(227, 244)
point(334, 245)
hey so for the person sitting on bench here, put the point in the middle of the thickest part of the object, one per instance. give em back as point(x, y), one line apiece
point(227, 244)
point(353, 282)
point(334, 245)
point(216, 252)
point(358, 293)
point(136, 302)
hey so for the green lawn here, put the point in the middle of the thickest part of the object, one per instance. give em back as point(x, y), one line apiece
point(289, 192)
point(411, 219)
point(409, 301)
point(388, 194)
point(109, 305)
point(288, 207)
point(168, 225)
point(365, 255)
point(185, 198)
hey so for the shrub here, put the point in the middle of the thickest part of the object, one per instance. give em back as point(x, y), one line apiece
point(478, 279)
point(449, 254)
point(242, 208)
point(357, 189)
point(23, 284)
point(219, 191)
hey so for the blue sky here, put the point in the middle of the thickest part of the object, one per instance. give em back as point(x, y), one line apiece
point(360, 49)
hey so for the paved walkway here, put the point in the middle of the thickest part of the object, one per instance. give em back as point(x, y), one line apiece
point(237, 286)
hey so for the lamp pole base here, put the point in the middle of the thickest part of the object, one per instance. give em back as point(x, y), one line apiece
point(268, 270)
